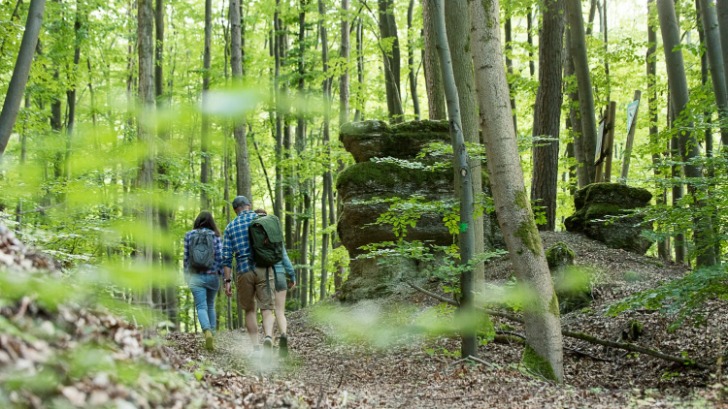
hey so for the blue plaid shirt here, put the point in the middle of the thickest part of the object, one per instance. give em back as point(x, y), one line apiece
point(237, 242)
point(216, 267)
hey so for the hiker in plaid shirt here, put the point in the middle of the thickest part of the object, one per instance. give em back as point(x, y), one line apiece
point(252, 284)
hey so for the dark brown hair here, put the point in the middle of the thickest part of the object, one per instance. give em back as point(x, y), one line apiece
point(205, 219)
point(261, 212)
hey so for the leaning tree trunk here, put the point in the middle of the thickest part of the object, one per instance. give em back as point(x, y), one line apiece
point(464, 176)
point(543, 332)
point(586, 94)
point(16, 88)
point(688, 144)
point(547, 112)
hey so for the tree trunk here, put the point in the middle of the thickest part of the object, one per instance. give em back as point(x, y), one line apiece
point(279, 91)
point(145, 39)
point(359, 109)
point(543, 333)
point(457, 19)
point(586, 95)
point(344, 54)
point(462, 174)
point(661, 197)
point(16, 88)
point(688, 145)
point(411, 61)
point(574, 118)
point(326, 141)
point(391, 57)
point(716, 63)
point(509, 66)
point(433, 75)
point(547, 112)
point(205, 170)
point(242, 161)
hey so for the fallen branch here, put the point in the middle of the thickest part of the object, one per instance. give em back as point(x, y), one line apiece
point(584, 337)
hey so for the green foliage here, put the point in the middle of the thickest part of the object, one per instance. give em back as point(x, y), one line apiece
point(682, 298)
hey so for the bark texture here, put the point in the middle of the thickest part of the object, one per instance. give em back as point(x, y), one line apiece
point(543, 333)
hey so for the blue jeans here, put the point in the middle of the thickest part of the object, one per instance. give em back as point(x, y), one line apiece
point(204, 289)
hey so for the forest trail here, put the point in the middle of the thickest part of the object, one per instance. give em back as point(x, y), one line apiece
point(325, 370)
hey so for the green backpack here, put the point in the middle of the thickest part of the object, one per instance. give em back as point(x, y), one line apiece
point(266, 241)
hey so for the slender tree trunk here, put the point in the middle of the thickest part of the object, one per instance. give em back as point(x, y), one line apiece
point(463, 175)
point(344, 55)
point(547, 112)
point(359, 109)
point(702, 231)
point(279, 89)
point(205, 169)
point(433, 75)
point(543, 332)
point(411, 61)
point(145, 39)
point(574, 119)
point(586, 95)
point(16, 88)
point(457, 19)
point(661, 196)
point(529, 41)
point(242, 160)
point(391, 57)
point(326, 141)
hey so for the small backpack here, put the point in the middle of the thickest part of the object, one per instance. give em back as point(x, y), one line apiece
point(202, 250)
point(266, 241)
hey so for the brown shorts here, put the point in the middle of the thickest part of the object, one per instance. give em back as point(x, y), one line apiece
point(253, 286)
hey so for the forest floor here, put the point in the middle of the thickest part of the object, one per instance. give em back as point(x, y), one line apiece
point(75, 356)
point(410, 371)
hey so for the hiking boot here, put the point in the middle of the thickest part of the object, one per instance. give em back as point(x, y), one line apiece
point(283, 346)
point(267, 343)
point(209, 340)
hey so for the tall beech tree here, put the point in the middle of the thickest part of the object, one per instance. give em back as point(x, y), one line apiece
point(433, 75)
point(242, 160)
point(688, 144)
point(586, 94)
point(205, 168)
point(389, 42)
point(543, 352)
point(547, 112)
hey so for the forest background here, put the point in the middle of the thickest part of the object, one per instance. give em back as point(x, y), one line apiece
point(136, 115)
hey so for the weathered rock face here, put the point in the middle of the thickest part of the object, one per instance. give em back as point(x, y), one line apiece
point(364, 187)
point(604, 212)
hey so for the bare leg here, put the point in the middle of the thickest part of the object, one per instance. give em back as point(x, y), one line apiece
point(268, 321)
point(280, 305)
point(251, 323)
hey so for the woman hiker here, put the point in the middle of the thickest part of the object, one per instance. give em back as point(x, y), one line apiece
point(203, 266)
point(285, 279)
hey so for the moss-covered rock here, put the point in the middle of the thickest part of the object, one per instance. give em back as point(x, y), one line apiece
point(370, 179)
point(626, 197)
point(559, 255)
point(606, 212)
point(375, 139)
